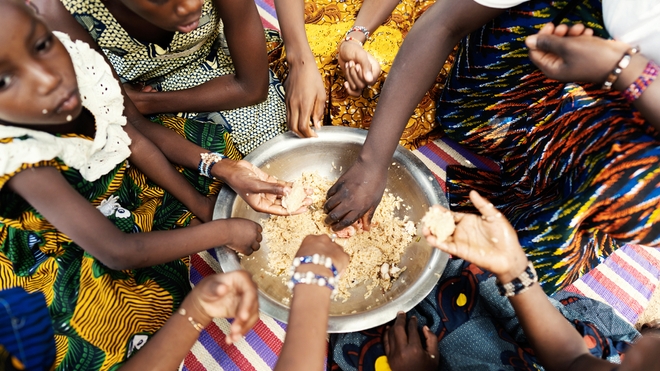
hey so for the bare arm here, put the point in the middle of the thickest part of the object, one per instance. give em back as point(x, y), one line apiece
point(416, 66)
point(74, 216)
point(247, 86)
point(151, 161)
point(305, 344)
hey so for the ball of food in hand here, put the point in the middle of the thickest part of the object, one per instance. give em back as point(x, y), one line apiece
point(296, 198)
point(440, 223)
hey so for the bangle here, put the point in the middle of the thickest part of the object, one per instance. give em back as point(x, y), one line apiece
point(623, 63)
point(314, 259)
point(348, 38)
point(519, 284)
point(309, 278)
point(635, 90)
point(362, 29)
point(198, 326)
point(207, 161)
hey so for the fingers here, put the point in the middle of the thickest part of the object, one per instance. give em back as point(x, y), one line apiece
point(547, 29)
point(431, 343)
point(400, 337)
point(386, 341)
point(366, 219)
point(413, 336)
point(487, 210)
point(304, 120)
point(317, 114)
point(366, 73)
point(247, 307)
point(261, 186)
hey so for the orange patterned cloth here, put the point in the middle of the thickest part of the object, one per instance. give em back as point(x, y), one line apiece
point(326, 23)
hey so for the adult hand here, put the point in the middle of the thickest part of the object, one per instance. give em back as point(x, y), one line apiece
point(229, 295)
point(323, 245)
point(642, 355)
point(360, 68)
point(305, 99)
point(574, 54)
point(245, 235)
point(487, 240)
point(140, 95)
point(404, 351)
point(259, 190)
point(355, 195)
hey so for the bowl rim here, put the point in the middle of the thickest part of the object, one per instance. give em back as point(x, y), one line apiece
point(415, 293)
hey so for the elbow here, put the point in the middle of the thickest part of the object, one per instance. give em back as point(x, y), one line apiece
point(122, 257)
point(256, 91)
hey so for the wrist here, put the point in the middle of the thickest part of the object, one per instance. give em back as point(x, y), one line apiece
point(628, 75)
point(517, 266)
point(300, 58)
point(222, 169)
point(357, 35)
point(192, 311)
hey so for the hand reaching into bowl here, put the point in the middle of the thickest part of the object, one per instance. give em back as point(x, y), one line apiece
point(487, 240)
point(259, 190)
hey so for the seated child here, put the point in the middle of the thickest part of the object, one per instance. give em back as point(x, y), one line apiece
point(71, 205)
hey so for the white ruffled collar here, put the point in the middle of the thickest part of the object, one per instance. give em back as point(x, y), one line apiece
point(101, 95)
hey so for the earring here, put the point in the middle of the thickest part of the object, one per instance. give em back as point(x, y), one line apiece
point(69, 118)
point(44, 111)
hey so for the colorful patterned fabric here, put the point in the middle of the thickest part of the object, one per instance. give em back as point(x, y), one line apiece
point(101, 316)
point(578, 175)
point(477, 328)
point(326, 23)
point(191, 59)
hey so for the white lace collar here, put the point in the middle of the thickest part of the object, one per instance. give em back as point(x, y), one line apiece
point(101, 95)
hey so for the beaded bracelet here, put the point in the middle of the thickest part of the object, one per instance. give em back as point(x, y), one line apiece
point(348, 38)
point(362, 29)
point(616, 72)
point(519, 284)
point(309, 278)
point(207, 161)
point(198, 326)
point(314, 259)
point(635, 90)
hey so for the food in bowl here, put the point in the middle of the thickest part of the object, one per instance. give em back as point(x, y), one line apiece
point(440, 223)
point(375, 255)
point(296, 198)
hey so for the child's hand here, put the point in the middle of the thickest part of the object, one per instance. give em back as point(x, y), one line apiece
point(322, 245)
point(580, 57)
point(360, 68)
point(229, 295)
point(261, 191)
point(140, 94)
point(404, 351)
point(245, 235)
point(305, 98)
point(487, 240)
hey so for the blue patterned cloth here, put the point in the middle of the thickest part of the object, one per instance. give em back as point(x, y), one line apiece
point(477, 328)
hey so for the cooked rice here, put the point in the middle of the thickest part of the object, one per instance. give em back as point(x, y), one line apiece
point(374, 255)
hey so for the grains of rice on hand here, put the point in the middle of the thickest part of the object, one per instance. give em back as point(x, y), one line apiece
point(374, 255)
point(440, 223)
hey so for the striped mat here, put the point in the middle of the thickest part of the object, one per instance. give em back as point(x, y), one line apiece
point(626, 280)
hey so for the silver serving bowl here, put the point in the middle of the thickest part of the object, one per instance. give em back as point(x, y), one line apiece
point(333, 152)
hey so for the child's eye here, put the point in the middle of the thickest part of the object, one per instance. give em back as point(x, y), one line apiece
point(44, 44)
point(5, 80)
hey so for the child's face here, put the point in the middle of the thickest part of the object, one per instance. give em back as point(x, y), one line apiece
point(170, 15)
point(37, 80)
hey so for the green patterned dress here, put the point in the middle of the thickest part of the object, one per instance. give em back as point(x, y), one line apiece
point(190, 60)
point(100, 316)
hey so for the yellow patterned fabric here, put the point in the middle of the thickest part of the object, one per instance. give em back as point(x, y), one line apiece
point(100, 316)
point(326, 23)
point(190, 59)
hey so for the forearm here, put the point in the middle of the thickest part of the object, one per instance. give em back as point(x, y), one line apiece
point(151, 161)
point(307, 329)
point(372, 14)
point(170, 345)
point(647, 103)
point(418, 62)
point(291, 16)
point(222, 93)
point(555, 341)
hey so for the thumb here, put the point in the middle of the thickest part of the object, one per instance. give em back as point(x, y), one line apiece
point(366, 70)
point(547, 43)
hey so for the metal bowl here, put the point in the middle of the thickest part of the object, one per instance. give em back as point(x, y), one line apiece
point(333, 152)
